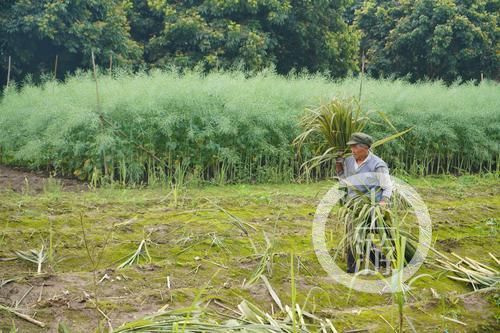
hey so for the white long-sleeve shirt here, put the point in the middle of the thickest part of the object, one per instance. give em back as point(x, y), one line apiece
point(370, 175)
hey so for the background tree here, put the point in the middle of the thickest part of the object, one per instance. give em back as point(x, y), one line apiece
point(211, 34)
point(34, 32)
point(145, 23)
point(316, 36)
point(443, 39)
point(254, 34)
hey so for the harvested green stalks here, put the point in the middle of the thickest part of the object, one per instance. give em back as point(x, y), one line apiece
point(471, 271)
point(34, 256)
point(135, 258)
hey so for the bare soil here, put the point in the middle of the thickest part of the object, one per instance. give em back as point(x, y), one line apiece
point(20, 180)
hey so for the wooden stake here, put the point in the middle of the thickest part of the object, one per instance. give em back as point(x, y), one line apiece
point(101, 117)
point(361, 76)
point(55, 67)
point(8, 74)
point(96, 84)
point(110, 63)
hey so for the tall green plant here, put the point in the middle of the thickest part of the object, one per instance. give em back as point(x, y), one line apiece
point(327, 130)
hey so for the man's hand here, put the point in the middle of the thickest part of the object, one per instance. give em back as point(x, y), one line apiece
point(383, 203)
point(339, 164)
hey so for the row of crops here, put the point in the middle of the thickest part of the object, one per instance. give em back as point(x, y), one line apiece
point(225, 127)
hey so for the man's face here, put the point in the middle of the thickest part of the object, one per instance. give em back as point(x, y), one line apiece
point(359, 151)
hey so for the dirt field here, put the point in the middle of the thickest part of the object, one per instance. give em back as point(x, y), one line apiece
point(20, 180)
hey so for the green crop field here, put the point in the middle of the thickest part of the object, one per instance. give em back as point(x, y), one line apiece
point(226, 128)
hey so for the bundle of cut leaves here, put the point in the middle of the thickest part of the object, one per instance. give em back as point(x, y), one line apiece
point(248, 318)
point(327, 129)
point(370, 227)
point(471, 271)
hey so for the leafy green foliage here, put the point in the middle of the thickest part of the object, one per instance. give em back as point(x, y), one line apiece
point(420, 39)
point(455, 130)
point(33, 33)
point(209, 34)
point(254, 35)
point(430, 39)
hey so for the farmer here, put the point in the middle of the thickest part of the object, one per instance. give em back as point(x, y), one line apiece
point(363, 174)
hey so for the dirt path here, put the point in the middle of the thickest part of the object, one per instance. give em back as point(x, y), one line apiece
point(19, 180)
